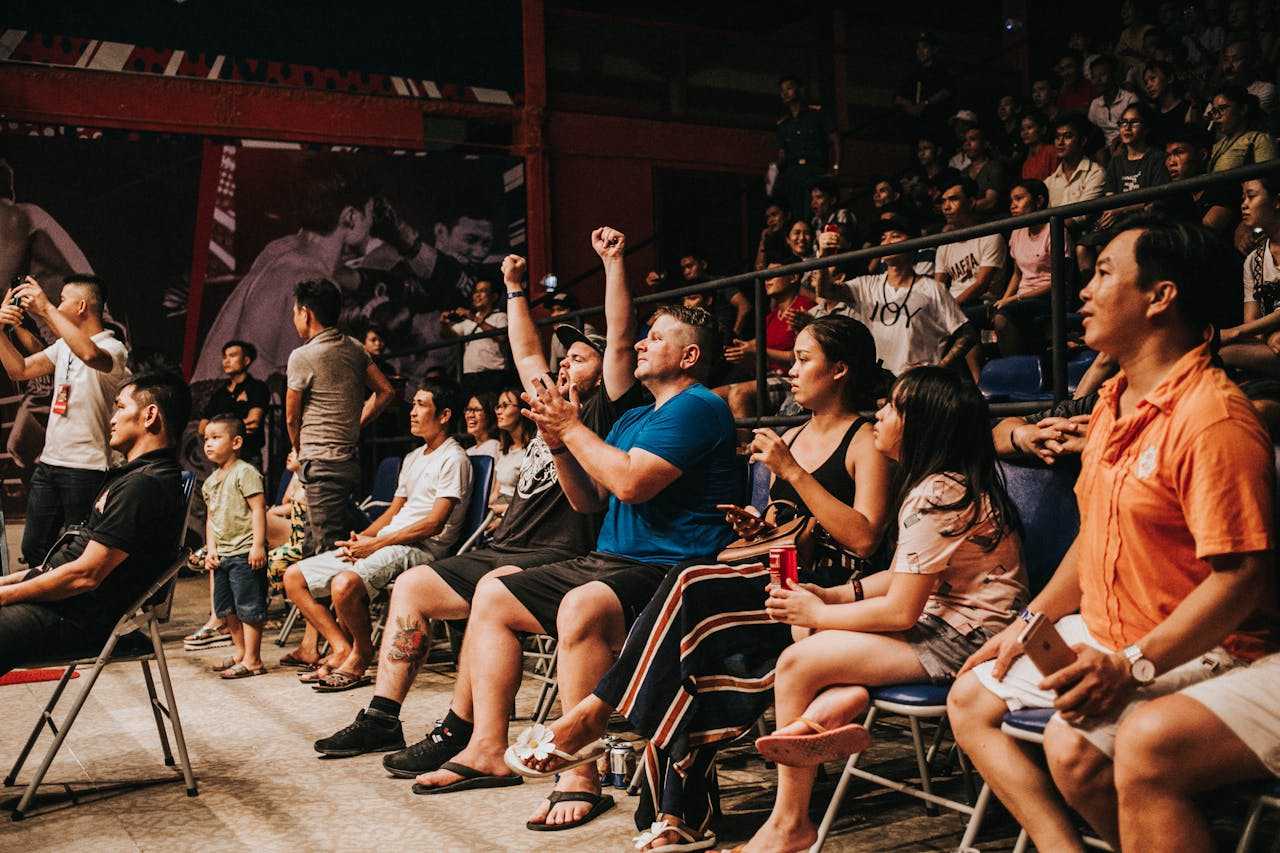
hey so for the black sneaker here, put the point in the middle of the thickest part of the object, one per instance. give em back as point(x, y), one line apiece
point(367, 734)
point(440, 744)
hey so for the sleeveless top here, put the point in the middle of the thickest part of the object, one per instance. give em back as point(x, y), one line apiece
point(831, 474)
point(832, 563)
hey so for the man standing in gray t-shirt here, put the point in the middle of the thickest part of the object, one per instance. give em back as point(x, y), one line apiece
point(325, 407)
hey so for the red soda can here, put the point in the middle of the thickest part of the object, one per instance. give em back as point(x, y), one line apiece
point(783, 565)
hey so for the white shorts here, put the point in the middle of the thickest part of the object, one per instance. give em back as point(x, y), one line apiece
point(1247, 700)
point(1019, 688)
point(377, 570)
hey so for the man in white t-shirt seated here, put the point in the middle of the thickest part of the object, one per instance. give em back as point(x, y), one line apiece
point(422, 524)
point(912, 317)
point(485, 366)
point(88, 366)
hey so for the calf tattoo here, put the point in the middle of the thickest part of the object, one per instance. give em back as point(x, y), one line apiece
point(410, 643)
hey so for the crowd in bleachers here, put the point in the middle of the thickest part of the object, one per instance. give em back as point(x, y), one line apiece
point(593, 491)
point(1184, 93)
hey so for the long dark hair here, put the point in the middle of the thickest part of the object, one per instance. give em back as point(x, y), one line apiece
point(846, 340)
point(528, 427)
point(946, 429)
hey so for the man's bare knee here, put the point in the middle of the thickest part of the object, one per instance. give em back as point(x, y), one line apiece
point(294, 582)
point(1078, 767)
point(972, 707)
point(347, 587)
point(588, 613)
point(1143, 756)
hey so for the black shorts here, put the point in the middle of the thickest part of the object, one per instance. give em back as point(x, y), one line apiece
point(542, 589)
point(463, 572)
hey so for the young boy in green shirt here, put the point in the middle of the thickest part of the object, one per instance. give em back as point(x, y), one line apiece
point(235, 545)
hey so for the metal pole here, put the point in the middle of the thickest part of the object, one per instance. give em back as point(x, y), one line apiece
point(1059, 298)
point(762, 355)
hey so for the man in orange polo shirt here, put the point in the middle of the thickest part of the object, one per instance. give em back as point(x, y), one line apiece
point(1171, 569)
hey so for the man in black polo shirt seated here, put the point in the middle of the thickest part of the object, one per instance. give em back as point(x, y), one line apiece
point(68, 606)
point(243, 396)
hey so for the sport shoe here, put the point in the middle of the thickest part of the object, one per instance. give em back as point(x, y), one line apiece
point(368, 733)
point(440, 744)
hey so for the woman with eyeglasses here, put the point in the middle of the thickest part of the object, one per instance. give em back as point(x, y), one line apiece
point(1137, 165)
point(1233, 115)
point(481, 422)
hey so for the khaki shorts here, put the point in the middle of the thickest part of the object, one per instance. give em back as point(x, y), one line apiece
point(1247, 700)
point(1019, 688)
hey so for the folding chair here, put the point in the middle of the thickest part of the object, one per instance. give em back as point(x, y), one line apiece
point(541, 651)
point(139, 628)
point(383, 491)
point(380, 497)
point(1025, 725)
point(477, 517)
point(1269, 799)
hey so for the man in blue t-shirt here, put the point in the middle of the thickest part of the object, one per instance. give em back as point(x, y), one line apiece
point(659, 474)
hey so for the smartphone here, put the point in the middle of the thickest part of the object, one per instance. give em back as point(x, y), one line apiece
point(738, 512)
point(831, 228)
point(1044, 645)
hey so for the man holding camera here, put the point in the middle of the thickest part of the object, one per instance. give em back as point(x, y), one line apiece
point(484, 363)
point(88, 367)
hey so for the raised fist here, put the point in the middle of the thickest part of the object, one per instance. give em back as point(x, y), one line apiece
point(513, 269)
point(608, 242)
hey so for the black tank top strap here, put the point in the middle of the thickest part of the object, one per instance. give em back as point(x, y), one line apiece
point(831, 474)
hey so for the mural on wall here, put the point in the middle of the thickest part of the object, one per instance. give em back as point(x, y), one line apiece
point(405, 235)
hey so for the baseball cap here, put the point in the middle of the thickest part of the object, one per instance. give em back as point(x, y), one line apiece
point(569, 334)
point(564, 300)
point(896, 223)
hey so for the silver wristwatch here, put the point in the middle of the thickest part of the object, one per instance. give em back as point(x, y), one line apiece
point(1142, 670)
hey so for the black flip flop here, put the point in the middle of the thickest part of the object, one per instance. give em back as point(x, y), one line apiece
point(600, 803)
point(472, 779)
point(338, 681)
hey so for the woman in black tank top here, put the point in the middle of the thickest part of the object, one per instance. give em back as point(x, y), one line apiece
point(706, 627)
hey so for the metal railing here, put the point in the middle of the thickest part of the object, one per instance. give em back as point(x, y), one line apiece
point(1056, 217)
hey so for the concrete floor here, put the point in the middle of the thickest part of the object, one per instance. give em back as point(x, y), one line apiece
point(263, 788)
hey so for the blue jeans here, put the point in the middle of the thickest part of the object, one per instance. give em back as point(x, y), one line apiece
point(239, 589)
point(56, 498)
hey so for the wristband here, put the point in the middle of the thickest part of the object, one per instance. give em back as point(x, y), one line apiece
point(559, 451)
point(516, 294)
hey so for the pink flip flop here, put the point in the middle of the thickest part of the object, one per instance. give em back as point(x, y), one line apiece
point(818, 748)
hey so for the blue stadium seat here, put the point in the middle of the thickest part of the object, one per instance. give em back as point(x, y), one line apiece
point(1015, 378)
point(1046, 502)
point(283, 488)
point(1076, 367)
point(478, 503)
point(1027, 721)
point(918, 695)
point(758, 481)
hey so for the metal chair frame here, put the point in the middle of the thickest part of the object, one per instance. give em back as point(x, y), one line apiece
point(151, 609)
point(925, 757)
point(984, 800)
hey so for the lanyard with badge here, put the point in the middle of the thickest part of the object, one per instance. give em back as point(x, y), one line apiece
point(62, 393)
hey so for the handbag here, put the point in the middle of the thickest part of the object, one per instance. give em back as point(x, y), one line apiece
point(789, 534)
